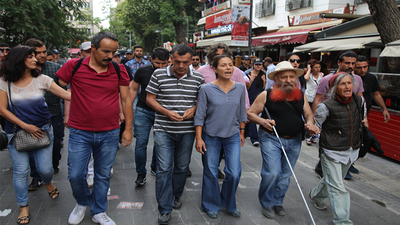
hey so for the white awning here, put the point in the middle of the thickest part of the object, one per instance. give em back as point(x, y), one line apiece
point(391, 50)
point(208, 42)
point(337, 44)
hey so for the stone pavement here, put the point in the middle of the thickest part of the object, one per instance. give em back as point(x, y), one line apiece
point(375, 193)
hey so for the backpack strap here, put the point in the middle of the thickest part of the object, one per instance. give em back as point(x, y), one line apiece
point(116, 66)
point(77, 66)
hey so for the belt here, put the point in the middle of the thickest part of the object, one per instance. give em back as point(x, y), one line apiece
point(282, 136)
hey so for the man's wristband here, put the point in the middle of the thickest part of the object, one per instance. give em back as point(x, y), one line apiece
point(241, 128)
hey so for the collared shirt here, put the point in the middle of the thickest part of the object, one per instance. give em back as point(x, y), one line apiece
point(209, 76)
point(270, 68)
point(94, 96)
point(323, 86)
point(135, 65)
point(220, 113)
point(52, 100)
point(175, 94)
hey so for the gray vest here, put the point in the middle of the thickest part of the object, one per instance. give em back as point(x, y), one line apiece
point(341, 129)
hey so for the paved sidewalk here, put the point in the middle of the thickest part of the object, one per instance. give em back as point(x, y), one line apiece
point(375, 193)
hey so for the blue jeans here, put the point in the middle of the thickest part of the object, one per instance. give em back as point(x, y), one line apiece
point(104, 145)
point(134, 109)
point(212, 198)
point(173, 153)
point(275, 172)
point(43, 158)
point(143, 121)
point(251, 131)
point(57, 122)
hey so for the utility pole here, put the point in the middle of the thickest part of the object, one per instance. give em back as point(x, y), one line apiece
point(187, 29)
point(130, 39)
point(251, 25)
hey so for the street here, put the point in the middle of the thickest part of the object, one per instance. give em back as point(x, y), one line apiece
point(375, 193)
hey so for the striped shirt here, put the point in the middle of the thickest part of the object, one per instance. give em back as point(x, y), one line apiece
point(176, 95)
point(220, 113)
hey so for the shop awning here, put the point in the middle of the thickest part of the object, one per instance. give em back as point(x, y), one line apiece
point(208, 42)
point(391, 50)
point(74, 51)
point(291, 35)
point(337, 44)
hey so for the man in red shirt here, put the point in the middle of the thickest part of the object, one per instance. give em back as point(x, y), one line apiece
point(94, 124)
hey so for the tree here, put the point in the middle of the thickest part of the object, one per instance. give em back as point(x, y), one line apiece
point(386, 16)
point(45, 20)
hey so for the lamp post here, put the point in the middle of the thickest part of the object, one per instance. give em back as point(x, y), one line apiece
point(238, 50)
point(252, 50)
point(162, 42)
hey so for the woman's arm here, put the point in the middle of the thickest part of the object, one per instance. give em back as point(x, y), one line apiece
point(242, 138)
point(57, 90)
point(307, 75)
point(200, 145)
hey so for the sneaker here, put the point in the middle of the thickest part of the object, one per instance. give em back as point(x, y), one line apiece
point(256, 144)
point(77, 214)
point(112, 171)
point(317, 205)
point(348, 176)
point(221, 175)
point(177, 204)
point(153, 171)
point(268, 212)
point(56, 170)
point(90, 182)
point(352, 169)
point(279, 210)
point(35, 184)
point(140, 180)
point(102, 219)
point(235, 213)
point(164, 218)
point(189, 173)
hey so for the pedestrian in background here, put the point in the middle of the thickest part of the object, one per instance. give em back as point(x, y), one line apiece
point(22, 90)
point(219, 121)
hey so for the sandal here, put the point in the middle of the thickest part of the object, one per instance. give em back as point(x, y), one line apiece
point(24, 219)
point(309, 142)
point(54, 194)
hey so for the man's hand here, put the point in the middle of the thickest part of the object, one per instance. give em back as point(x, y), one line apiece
point(174, 116)
point(189, 113)
point(126, 138)
point(268, 124)
point(66, 121)
point(386, 115)
point(311, 129)
point(365, 122)
point(121, 117)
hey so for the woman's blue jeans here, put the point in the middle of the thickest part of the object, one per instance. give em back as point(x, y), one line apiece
point(104, 145)
point(44, 166)
point(212, 198)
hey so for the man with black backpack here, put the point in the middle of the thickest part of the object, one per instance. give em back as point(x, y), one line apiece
point(94, 123)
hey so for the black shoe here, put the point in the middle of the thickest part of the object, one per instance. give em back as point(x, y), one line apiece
point(35, 184)
point(56, 170)
point(189, 173)
point(221, 175)
point(164, 218)
point(348, 176)
point(279, 210)
point(268, 212)
point(352, 169)
point(177, 203)
point(153, 171)
point(140, 180)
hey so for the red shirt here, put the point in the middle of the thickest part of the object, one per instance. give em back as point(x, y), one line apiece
point(94, 96)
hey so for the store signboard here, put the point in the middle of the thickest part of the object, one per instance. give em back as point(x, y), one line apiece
point(227, 29)
point(219, 19)
point(312, 18)
point(219, 7)
point(241, 25)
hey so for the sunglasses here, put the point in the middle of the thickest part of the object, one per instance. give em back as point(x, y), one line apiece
point(196, 59)
point(5, 49)
point(295, 60)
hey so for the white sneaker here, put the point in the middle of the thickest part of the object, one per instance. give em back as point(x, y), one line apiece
point(77, 214)
point(90, 181)
point(102, 219)
point(112, 171)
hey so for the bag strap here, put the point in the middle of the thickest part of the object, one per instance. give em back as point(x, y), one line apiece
point(116, 66)
point(12, 105)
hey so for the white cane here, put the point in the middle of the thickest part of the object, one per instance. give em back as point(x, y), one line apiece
point(290, 166)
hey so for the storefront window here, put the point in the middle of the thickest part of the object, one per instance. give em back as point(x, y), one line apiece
point(389, 89)
point(212, 3)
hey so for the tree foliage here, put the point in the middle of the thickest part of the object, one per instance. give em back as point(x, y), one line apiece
point(42, 19)
point(145, 17)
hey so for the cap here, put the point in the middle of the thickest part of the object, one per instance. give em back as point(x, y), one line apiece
point(55, 51)
point(246, 57)
point(145, 57)
point(129, 51)
point(117, 54)
point(86, 45)
point(257, 61)
point(285, 66)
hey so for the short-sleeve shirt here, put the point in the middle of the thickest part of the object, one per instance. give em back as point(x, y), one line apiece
point(175, 94)
point(52, 100)
point(142, 77)
point(29, 103)
point(220, 113)
point(94, 96)
point(323, 86)
point(135, 65)
point(370, 85)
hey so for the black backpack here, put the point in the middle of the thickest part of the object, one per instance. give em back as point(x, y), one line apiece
point(116, 66)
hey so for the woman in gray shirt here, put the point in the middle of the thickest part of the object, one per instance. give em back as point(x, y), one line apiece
point(219, 120)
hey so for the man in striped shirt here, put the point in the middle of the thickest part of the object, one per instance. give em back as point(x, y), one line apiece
point(172, 93)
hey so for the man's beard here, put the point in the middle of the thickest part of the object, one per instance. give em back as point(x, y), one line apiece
point(138, 56)
point(288, 91)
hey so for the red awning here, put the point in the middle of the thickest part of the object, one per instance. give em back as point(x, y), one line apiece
point(74, 51)
point(289, 37)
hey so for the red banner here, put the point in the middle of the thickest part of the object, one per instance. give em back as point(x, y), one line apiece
point(281, 39)
point(219, 19)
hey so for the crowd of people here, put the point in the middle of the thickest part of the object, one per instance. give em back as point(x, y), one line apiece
point(105, 100)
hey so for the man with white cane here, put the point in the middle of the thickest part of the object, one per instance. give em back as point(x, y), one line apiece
point(285, 107)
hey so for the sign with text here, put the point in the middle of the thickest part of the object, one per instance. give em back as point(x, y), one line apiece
point(219, 30)
point(219, 19)
point(241, 25)
point(312, 18)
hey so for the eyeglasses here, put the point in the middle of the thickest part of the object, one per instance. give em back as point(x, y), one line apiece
point(5, 49)
point(196, 59)
point(295, 60)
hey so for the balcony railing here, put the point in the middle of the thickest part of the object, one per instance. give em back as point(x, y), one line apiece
point(298, 4)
